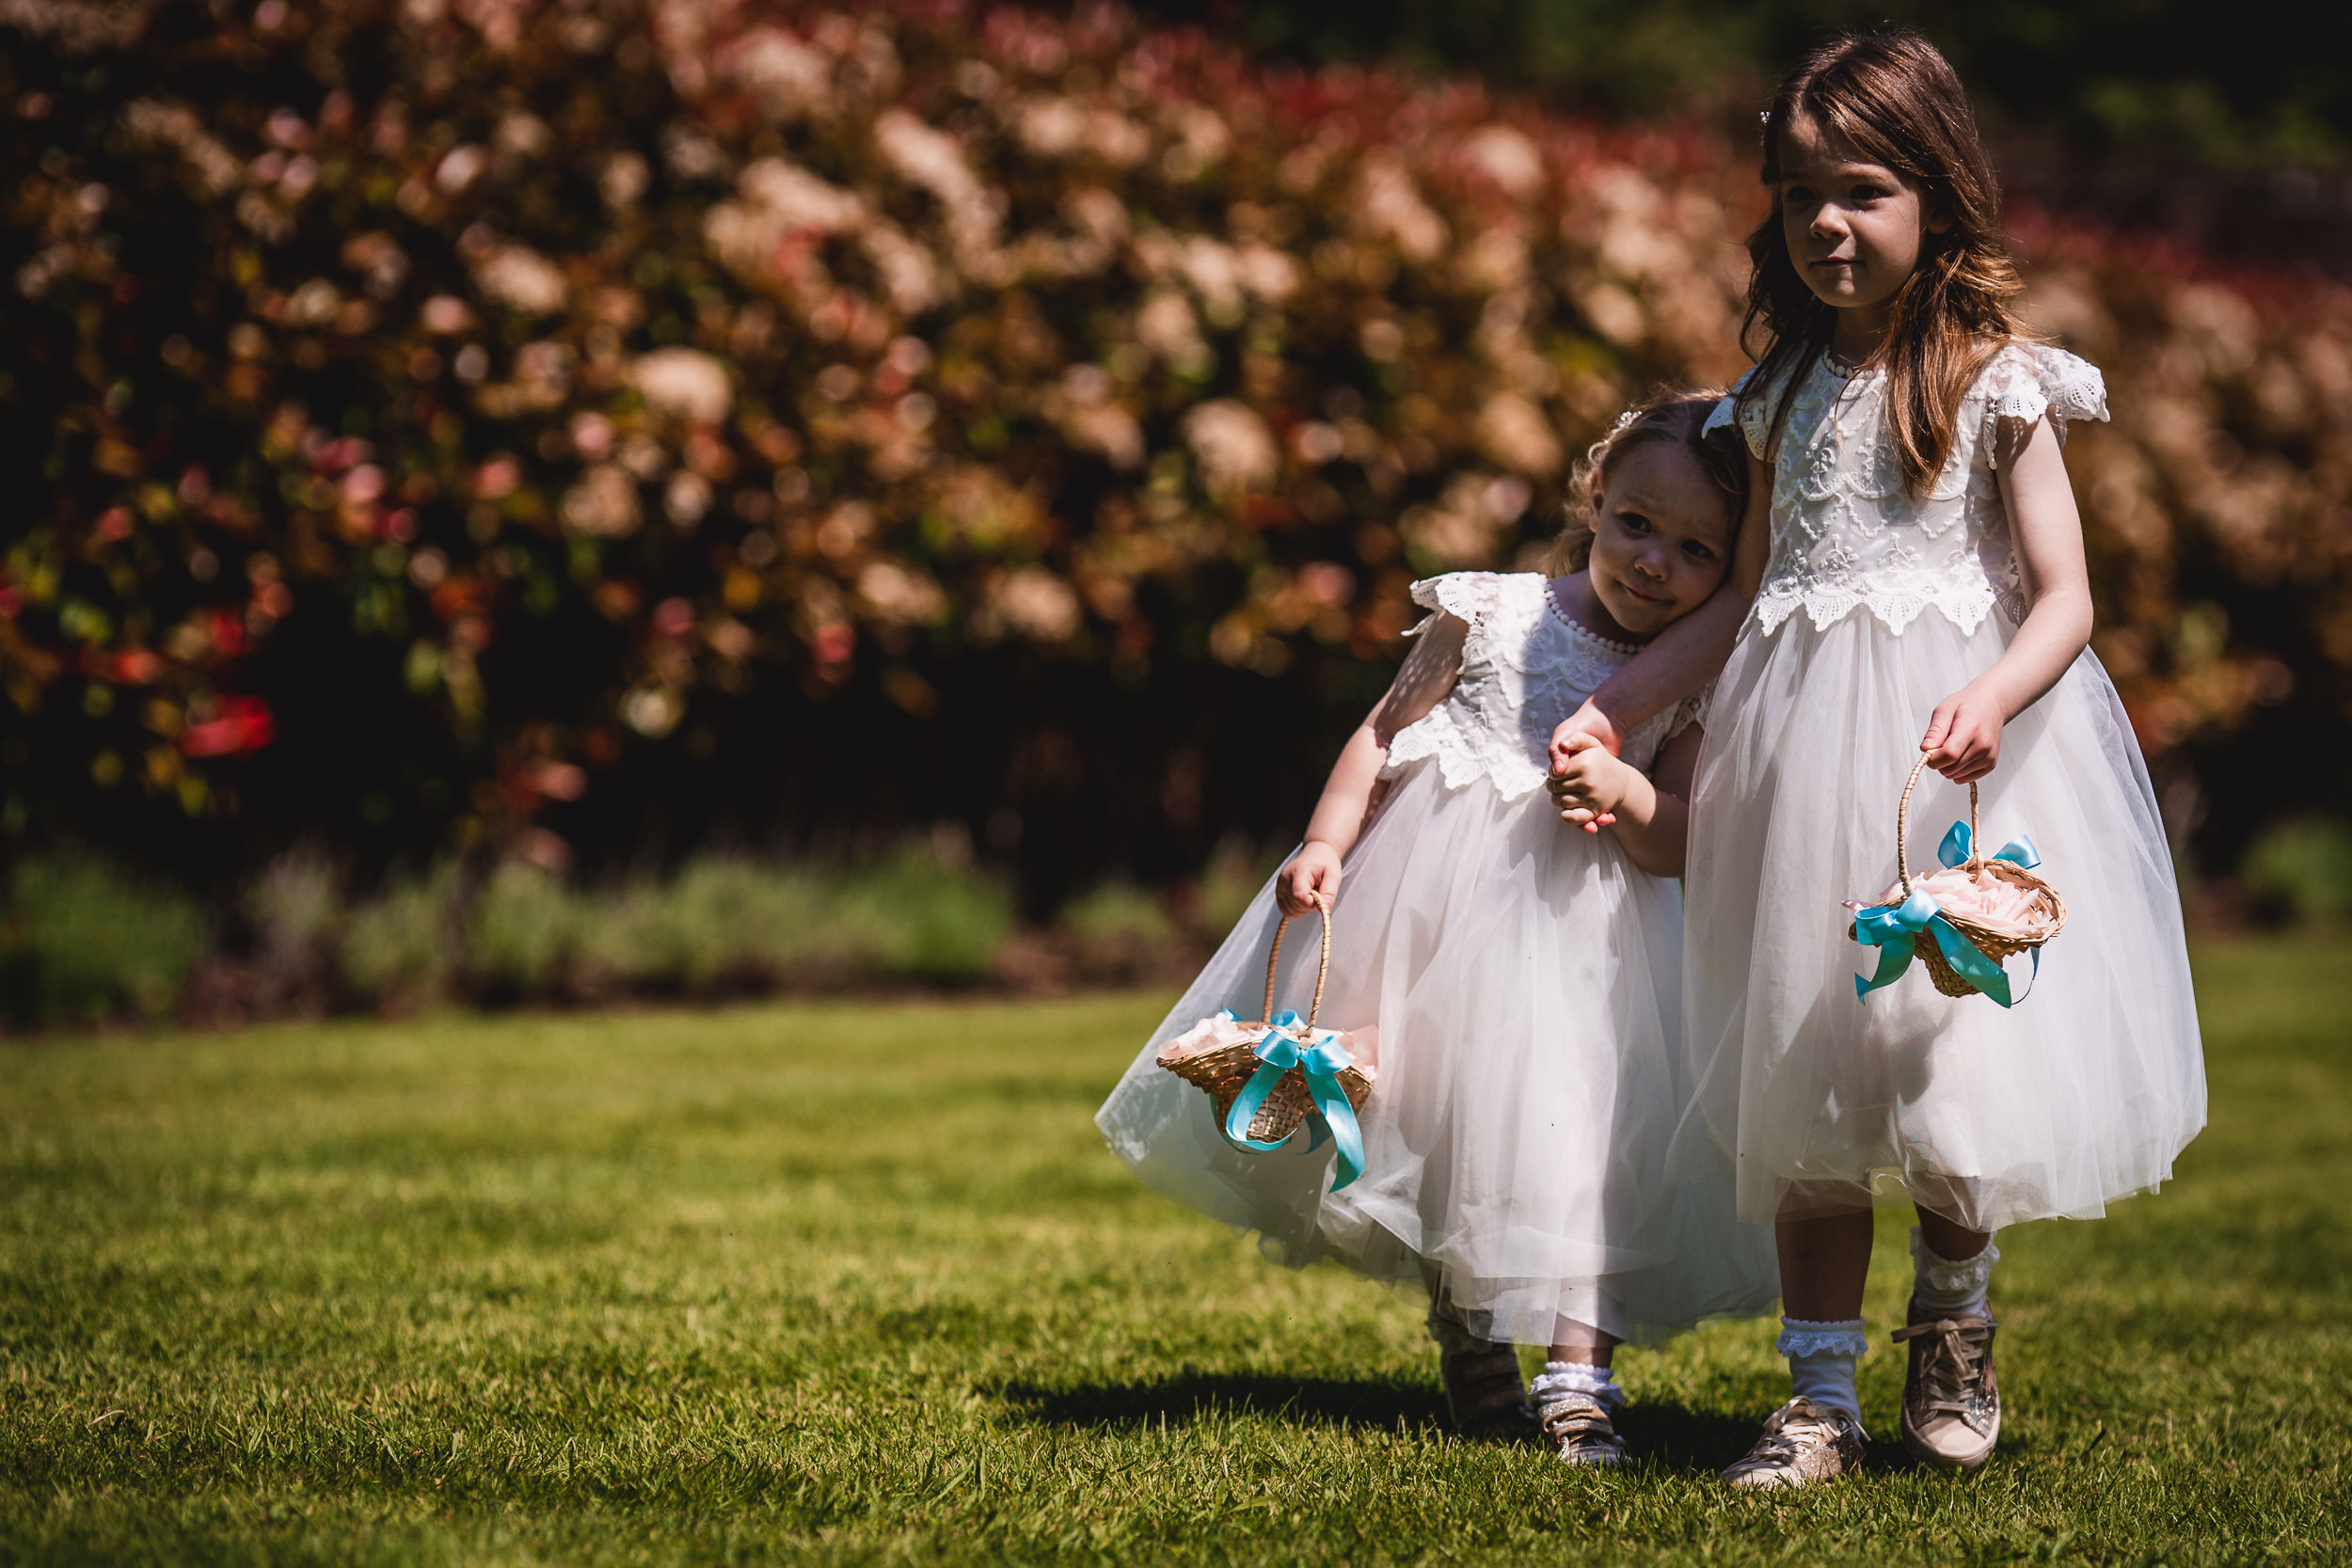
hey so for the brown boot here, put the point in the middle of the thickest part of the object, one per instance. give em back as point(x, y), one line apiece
point(1483, 1389)
point(1951, 1400)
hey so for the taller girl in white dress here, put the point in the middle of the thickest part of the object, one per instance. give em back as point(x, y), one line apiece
point(1524, 978)
point(1924, 592)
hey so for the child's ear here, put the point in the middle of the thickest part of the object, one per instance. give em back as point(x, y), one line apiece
point(1939, 216)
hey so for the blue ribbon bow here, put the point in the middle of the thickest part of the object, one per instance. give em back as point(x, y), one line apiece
point(1286, 1045)
point(1892, 928)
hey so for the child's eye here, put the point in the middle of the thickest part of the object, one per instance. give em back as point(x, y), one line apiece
point(1697, 551)
point(1634, 521)
point(1868, 193)
point(1797, 195)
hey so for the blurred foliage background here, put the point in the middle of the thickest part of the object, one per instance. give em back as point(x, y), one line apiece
point(965, 466)
point(2142, 77)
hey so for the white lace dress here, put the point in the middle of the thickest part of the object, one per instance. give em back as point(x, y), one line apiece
point(1875, 607)
point(1525, 980)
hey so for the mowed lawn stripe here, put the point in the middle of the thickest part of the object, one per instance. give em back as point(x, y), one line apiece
point(858, 1282)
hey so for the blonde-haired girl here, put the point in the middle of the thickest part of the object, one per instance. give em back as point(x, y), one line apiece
point(1523, 980)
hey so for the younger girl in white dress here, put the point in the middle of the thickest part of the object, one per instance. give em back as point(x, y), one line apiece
point(1524, 978)
point(1925, 591)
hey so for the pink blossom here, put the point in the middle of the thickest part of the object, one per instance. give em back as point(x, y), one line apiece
point(684, 383)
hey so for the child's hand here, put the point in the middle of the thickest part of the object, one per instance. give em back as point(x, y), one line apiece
point(1586, 783)
point(1592, 727)
point(1963, 738)
point(1592, 724)
point(1314, 869)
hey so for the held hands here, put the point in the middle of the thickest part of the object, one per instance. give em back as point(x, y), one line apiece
point(1587, 723)
point(1963, 738)
point(1587, 784)
point(1586, 728)
point(1314, 869)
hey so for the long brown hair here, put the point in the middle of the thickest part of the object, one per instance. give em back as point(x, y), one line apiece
point(1672, 416)
point(1897, 101)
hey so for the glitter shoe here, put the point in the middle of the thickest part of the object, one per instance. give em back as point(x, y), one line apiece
point(1803, 1443)
point(1951, 1400)
point(1576, 1427)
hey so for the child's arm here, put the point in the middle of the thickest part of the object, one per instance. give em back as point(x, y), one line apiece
point(1428, 674)
point(1652, 811)
point(1963, 738)
point(1688, 654)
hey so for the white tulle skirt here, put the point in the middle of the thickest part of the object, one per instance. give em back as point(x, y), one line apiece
point(1524, 978)
point(2081, 1094)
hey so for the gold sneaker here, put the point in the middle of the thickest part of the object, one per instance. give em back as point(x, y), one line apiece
point(1576, 1427)
point(1803, 1443)
point(1951, 1400)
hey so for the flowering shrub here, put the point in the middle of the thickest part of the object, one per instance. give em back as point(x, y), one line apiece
point(499, 420)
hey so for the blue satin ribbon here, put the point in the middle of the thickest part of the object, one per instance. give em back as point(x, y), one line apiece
point(1284, 1046)
point(2018, 851)
point(1891, 927)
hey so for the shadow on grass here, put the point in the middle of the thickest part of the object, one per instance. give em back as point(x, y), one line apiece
point(1673, 1435)
point(1193, 1395)
point(1680, 1439)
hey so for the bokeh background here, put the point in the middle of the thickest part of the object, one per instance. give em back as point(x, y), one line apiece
point(544, 502)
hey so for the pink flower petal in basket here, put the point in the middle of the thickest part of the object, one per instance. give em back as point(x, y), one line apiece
point(1211, 1033)
point(1999, 906)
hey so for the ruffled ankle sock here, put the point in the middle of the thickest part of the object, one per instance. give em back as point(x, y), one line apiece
point(1954, 1290)
point(1822, 1357)
point(1575, 1377)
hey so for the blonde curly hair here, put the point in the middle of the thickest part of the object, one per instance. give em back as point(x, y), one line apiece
point(1676, 415)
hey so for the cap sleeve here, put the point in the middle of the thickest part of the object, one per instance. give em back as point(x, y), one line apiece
point(1726, 414)
point(2026, 381)
point(1469, 597)
point(1751, 410)
point(1691, 710)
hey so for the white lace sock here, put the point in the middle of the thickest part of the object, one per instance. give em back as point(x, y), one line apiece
point(1822, 1356)
point(1575, 1377)
point(1940, 1285)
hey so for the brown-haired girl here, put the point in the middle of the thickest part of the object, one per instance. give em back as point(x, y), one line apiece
point(1912, 555)
point(1523, 980)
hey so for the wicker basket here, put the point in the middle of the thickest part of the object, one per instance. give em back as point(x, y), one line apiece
point(2049, 910)
point(1221, 1071)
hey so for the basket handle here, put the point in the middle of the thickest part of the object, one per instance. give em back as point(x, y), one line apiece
point(1902, 827)
point(1322, 968)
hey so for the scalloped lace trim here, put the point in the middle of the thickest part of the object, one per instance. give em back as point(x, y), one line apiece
point(1559, 1378)
point(1945, 1278)
point(1964, 604)
point(1801, 1337)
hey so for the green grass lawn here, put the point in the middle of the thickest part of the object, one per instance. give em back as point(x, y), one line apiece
point(859, 1282)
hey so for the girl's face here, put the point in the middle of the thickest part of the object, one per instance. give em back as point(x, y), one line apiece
point(1854, 228)
point(1661, 539)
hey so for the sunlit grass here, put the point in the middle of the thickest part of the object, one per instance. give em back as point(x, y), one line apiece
point(846, 1283)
